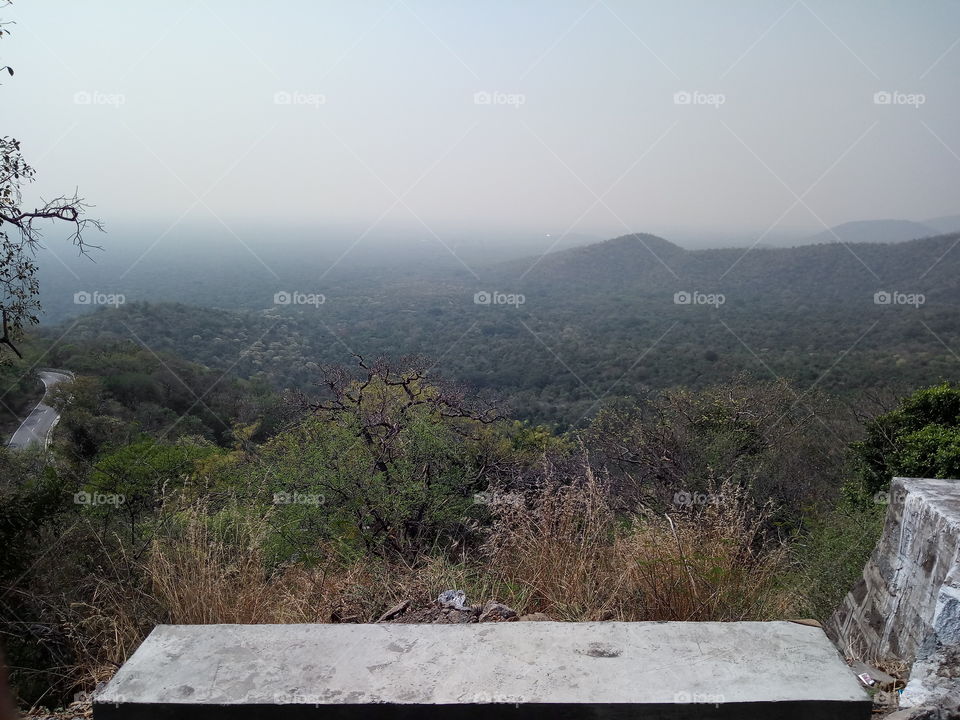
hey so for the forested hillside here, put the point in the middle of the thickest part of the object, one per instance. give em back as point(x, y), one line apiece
point(602, 321)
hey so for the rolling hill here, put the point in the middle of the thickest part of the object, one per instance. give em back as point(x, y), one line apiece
point(561, 334)
point(875, 231)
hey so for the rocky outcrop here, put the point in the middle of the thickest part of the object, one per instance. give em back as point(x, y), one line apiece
point(906, 608)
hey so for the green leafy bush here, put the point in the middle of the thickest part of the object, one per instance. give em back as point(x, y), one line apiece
point(131, 480)
point(920, 438)
point(830, 554)
point(389, 463)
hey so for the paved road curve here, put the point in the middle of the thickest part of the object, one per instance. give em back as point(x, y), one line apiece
point(39, 423)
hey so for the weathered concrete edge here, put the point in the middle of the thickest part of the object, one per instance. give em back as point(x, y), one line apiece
point(188, 638)
point(790, 710)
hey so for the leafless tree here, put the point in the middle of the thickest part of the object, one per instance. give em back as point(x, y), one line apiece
point(347, 390)
point(21, 235)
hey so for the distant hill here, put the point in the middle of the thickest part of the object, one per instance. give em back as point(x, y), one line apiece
point(945, 224)
point(629, 259)
point(647, 265)
point(874, 231)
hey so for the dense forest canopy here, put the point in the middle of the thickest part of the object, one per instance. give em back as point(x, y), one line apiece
point(617, 318)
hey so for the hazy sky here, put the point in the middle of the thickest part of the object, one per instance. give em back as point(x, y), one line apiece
point(367, 111)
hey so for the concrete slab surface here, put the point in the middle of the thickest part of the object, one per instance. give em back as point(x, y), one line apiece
point(777, 670)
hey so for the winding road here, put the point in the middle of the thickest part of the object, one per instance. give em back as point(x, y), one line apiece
point(36, 428)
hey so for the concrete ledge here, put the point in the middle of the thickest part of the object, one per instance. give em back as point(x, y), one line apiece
point(669, 671)
point(810, 710)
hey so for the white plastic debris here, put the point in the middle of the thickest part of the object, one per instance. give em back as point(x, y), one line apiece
point(456, 599)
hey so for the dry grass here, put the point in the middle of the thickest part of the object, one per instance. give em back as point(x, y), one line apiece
point(578, 562)
point(560, 546)
point(562, 551)
point(712, 563)
point(199, 577)
point(193, 574)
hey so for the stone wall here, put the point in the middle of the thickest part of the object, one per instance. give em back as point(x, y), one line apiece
point(907, 605)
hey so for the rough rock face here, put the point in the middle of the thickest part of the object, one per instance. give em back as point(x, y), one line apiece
point(935, 675)
point(907, 605)
point(497, 612)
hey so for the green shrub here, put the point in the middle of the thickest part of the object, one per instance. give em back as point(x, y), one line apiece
point(130, 481)
point(831, 553)
point(920, 438)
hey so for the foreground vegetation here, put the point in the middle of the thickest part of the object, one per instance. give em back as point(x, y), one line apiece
point(731, 503)
point(174, 495)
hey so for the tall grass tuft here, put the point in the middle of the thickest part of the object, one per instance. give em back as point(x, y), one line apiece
point(578, 560)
